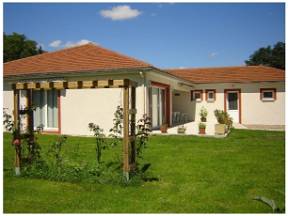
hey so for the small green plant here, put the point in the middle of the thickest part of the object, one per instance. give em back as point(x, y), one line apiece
point(223, 118)
point(56, 152)
point(202, 125)
point(116, 130)
point(100, 140)
point(271, 203)
point(143, 131)
point(203, 114)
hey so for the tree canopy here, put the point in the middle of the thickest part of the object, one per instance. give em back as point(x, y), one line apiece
point(273, 57)
point(17, 46)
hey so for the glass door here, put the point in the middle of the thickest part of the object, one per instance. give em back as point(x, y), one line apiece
point(158, 111)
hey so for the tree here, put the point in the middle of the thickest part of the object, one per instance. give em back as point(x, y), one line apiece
point(17, 46)
point(273, 57)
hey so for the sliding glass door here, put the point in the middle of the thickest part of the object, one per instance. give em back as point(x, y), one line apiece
point(46, 112)
point(158, 111)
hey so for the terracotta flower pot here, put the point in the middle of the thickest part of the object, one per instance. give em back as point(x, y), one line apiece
point(202, 131)
point(163, 128)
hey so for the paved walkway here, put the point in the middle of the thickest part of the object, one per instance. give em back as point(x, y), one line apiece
point(260, 127)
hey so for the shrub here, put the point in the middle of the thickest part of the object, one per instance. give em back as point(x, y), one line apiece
point(203, 114)
point(202, 125)
point(223, 118)
point(100, 140)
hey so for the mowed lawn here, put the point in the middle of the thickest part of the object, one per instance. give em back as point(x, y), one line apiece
point(197, 175)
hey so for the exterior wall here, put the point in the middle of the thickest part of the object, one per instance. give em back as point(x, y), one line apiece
point(82, 106)
point(79, 107)
point(173, 84)
point(253, 110)
point(182, 103)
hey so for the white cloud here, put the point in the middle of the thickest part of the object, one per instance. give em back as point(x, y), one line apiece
point(121, 12)
point(212, 54)
point(153, 14)
point(55, 43)
point(78, 43)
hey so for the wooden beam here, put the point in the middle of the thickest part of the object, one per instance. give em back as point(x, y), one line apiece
point(133, 129)
point(58, 85)
point(103, 84)
point(17, 132)
point(19, 86)
point(31, 85)
point(72, 85)
point(45, 85)
point(126, 133)
point(87, 84)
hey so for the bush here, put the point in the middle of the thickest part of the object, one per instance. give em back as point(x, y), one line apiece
point(223, 118)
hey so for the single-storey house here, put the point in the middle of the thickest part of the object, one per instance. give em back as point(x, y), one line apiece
point(252, 95)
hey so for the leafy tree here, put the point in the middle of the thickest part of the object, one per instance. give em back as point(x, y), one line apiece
point(17, 46)
point(273, 57)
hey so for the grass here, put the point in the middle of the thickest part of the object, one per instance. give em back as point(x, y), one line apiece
point(197, 175)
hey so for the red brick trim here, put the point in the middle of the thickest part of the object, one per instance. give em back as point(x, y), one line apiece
point(167, 95)
point(274, 91)
point(239, 98)
point(206, 94)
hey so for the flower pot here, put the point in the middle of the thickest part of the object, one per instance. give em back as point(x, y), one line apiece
point(202, 130)
point(181, 130)
point(220, 129)
point(163, 128)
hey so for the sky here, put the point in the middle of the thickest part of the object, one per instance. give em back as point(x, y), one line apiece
point(167, 35)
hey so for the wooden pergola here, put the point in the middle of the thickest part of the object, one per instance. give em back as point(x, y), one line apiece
point(129, 112)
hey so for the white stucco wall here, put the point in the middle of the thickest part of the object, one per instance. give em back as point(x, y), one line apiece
point(254, 110)
point(80, 107)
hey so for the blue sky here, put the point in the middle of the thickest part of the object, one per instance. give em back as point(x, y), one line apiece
point(165, 35)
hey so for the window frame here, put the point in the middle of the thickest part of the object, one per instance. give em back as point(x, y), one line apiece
point(207, 94)
point(193, 95)
point(264, 99)
point(51, 129)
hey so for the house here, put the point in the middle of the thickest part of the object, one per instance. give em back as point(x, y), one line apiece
point(252, 95)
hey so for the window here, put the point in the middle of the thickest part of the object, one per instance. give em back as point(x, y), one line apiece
point(197, 95)
point(210, 95)
point(268, 94)
point(46, 112)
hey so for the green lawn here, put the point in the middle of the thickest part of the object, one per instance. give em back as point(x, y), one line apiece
point(197, 175)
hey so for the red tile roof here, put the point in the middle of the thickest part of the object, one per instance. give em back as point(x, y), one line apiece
point(230, 74)
point(83, 58)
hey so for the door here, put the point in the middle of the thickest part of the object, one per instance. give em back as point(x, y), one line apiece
point(232, 105)
point(158, 107)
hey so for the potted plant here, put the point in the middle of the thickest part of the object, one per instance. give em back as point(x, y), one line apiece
point(203, 114)
point(163, 128)
point(181, 129)
point(224, 122)
point(202, 128)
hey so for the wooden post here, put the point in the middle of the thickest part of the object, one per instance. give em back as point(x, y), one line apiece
point(126, 132)
point(133, 129)
point(30, 123)
point(17, 133)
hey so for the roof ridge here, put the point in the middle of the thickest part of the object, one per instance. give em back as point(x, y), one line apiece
point(224, 67)
point(55, 51)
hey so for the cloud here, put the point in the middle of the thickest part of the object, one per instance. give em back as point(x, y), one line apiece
point(153, 14)
point(212, 54)
point(122, 12)
point(78, 43)
point(55, 43)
